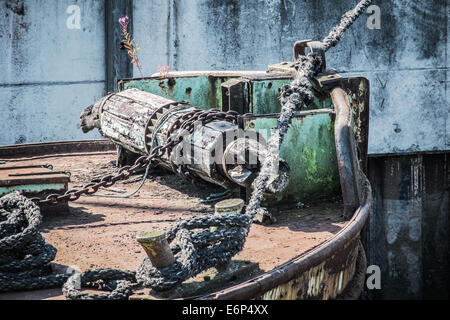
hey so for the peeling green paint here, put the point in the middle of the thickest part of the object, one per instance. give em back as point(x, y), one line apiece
point(204, 92)
point(310, 152)
point(330, 126)
point(310, 159)
point(33, 188)
point(266, 96)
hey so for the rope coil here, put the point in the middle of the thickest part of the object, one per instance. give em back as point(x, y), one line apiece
point(24, 255)
point(119, 283)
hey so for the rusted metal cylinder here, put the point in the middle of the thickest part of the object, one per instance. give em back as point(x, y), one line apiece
point(157, 248)
point(131, 117)
point(139, 121)
point(229, 206)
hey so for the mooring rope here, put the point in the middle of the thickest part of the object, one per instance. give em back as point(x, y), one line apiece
point(24, 255)
point(195, 247)
point(196, 251)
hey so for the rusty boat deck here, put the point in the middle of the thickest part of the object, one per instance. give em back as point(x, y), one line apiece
point(99, 232)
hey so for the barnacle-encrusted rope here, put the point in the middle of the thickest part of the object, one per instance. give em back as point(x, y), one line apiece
point(24, 256)
point(196, 251)
point(119, 284)
point(195, 247)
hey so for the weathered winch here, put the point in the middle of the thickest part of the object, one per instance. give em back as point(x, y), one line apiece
point(219, 151)
point(318, 154)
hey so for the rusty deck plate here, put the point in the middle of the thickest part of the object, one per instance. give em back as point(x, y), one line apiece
point(100, 232)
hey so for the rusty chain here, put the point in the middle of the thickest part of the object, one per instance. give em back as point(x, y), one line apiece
point(184, 124)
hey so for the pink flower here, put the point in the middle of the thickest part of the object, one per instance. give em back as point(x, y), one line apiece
point(124, 21)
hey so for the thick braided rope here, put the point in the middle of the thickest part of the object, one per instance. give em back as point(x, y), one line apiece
point(25, 215)
point(196, 251)
point(119, 283)
point(346, 21)
point(25, 257)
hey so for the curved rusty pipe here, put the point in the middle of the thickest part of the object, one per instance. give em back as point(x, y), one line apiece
point(346, 150)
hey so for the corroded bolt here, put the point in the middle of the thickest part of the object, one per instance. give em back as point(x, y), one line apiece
point(157, 248)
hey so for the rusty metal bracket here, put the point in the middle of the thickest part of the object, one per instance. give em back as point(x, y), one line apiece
point(235, 95)
point(327, 81)
point(324, 82)
point(299, 49)
point(314, 46)
point(286, 67)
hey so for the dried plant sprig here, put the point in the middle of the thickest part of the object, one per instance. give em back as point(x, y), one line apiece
point(130, 44)
point(164, 71)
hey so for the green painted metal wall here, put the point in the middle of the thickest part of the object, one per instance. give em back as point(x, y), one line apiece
point(265, 97)
point(310, 152)
point(203, 92)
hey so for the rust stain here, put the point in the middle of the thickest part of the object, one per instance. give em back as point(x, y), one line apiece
point(324, 281)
